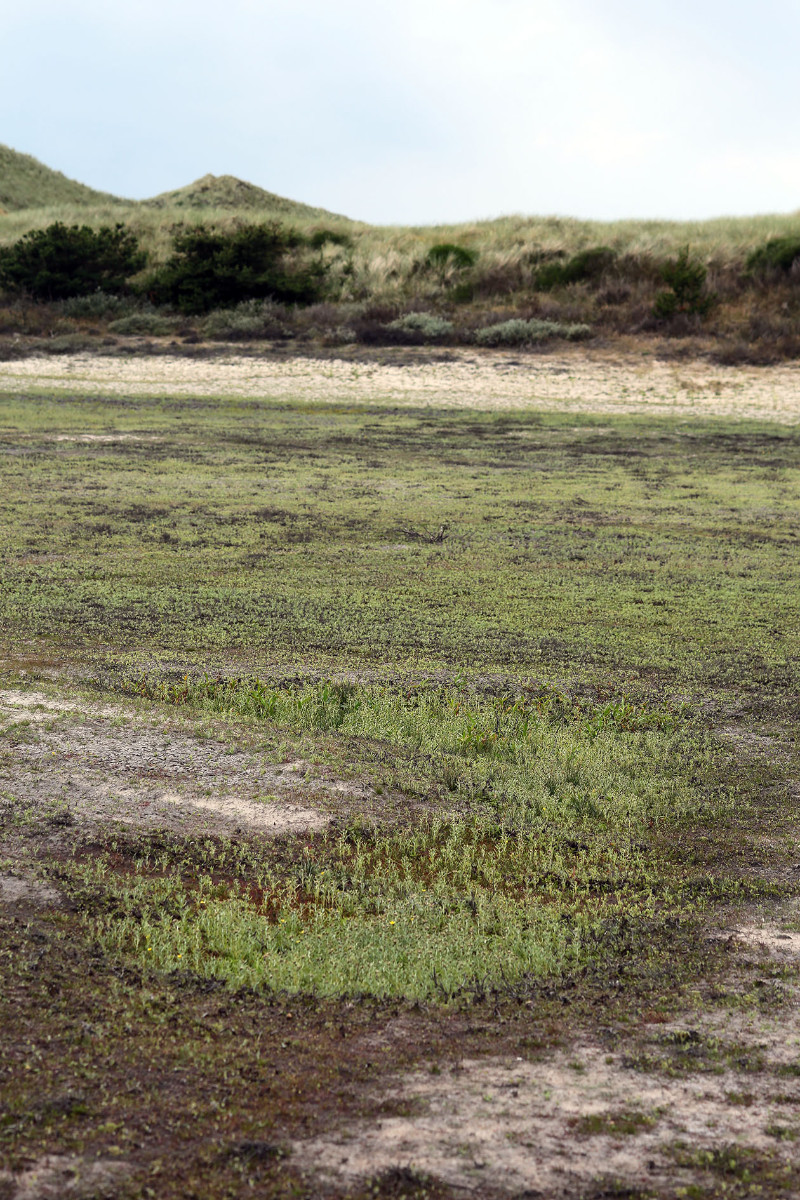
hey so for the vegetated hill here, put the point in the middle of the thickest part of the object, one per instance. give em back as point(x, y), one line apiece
point(226, 191)
point(27, 183)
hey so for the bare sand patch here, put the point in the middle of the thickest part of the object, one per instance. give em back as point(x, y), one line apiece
point(102, 438)
point(553, 1126)
point(65, 1177)
point(770, 939)
point(101, 765)
point(36, 706)
point(15, 889)
point(580, 380)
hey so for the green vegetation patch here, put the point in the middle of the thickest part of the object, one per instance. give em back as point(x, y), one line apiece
point(644, 555)
point(533, 860)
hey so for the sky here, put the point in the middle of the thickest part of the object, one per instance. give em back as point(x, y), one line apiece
point(420, 111)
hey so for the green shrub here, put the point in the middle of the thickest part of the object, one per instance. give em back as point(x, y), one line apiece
point(517, 332)
point(446, 255)
point(588, 264)
point(329, 237)
point(212, 269)
point(425, 325)
point(686, 279)
point(778, 255)
point(250, 319)
point(62, 261)
point(144, 324)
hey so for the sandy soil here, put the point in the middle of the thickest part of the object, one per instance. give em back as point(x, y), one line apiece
point(64, 1177)
point(552, 1127)
point(71, 762)
point(579, 380)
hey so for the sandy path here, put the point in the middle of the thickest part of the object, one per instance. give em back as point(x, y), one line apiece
point(577, 381)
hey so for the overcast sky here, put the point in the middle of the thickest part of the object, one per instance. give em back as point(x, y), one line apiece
point(421, 110)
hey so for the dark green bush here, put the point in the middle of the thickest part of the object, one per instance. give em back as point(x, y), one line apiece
point(63, 261)
point(328, 237)
point(211, 269)
point(448, 254)
point(588, 264)
point(777, 256)
point(688, 295)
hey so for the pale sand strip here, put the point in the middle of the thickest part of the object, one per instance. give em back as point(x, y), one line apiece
point(579, 381)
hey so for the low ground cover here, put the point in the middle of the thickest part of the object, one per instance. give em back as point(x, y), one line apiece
point(525, 653)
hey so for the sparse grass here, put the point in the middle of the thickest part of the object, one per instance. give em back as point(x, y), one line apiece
point(527, 698)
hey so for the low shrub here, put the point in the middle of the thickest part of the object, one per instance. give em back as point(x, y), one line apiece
point(250, 319)
point(145, 324)
point(98, 305)
point(777, 256)
point(211, 269)
point(422, 326)
point(446, 255)
point(517, 332)
point(687, 295)
point(329, 237)
point(63, 261)
point(588, 264)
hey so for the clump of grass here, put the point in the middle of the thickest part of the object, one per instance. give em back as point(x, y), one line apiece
point(517, 332)
point(536, 862)
point(430, 912)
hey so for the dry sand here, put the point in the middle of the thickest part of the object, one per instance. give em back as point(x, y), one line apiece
point(575, 381)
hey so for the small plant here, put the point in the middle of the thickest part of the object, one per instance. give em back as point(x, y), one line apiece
point(517, 332)
point(426, 326)
point(62, 261)
point(688, 295)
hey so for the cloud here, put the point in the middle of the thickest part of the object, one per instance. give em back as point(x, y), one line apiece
point(425, 110)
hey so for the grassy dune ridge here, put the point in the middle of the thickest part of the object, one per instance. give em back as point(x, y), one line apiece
point(377, 274)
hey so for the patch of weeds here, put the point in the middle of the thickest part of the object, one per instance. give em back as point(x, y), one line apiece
point(402, 1183)
point(783, 1133)
point(612, 1124)
point(686, 1051)
point(739, 1163)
